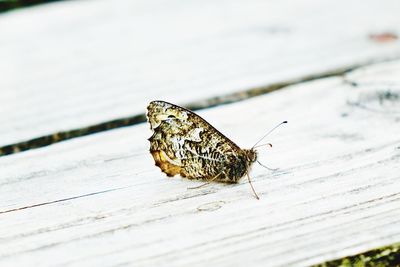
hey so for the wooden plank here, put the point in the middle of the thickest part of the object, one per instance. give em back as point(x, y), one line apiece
point(77, 63)
point(99, 200)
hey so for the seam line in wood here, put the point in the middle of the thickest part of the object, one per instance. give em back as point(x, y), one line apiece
point(58, 200)
point(50, 139)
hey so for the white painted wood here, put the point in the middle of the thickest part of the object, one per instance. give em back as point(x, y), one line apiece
point(100, 201)
point(76, 63)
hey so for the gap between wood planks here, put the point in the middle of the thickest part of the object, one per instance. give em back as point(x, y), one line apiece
point(385, 256)
point(53, 138)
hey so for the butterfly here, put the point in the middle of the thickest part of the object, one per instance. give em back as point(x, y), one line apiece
point(185, 144)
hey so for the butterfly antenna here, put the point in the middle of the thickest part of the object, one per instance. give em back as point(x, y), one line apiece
point(268, 144)
point(270, 131)
point(252, 188)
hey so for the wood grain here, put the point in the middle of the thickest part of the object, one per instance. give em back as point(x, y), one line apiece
point(99, 200)
point(74, 64)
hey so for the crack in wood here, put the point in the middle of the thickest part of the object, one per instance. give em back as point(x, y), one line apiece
point(59, 200)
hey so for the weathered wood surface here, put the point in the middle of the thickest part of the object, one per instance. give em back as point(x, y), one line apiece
point(99, 200)
point(102, 60)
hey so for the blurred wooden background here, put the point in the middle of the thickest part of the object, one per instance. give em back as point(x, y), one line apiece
point(70, 69)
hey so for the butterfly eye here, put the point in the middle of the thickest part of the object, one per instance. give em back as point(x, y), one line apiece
point(251, 156)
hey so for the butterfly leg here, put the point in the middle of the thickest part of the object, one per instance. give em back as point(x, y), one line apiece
point(206, 183)
point(196, 187)
point(252, 188)
point(268, 168)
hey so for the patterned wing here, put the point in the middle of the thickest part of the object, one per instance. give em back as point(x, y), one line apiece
point(184, 143)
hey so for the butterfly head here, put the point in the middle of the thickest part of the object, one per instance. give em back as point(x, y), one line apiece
point(251, 155)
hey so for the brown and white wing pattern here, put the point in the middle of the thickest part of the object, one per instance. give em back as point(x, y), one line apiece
point(183, 143)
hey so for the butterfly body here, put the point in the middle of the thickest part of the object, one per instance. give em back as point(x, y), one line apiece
point(185, 144)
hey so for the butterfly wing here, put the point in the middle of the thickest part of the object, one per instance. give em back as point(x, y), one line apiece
point(184, 143)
